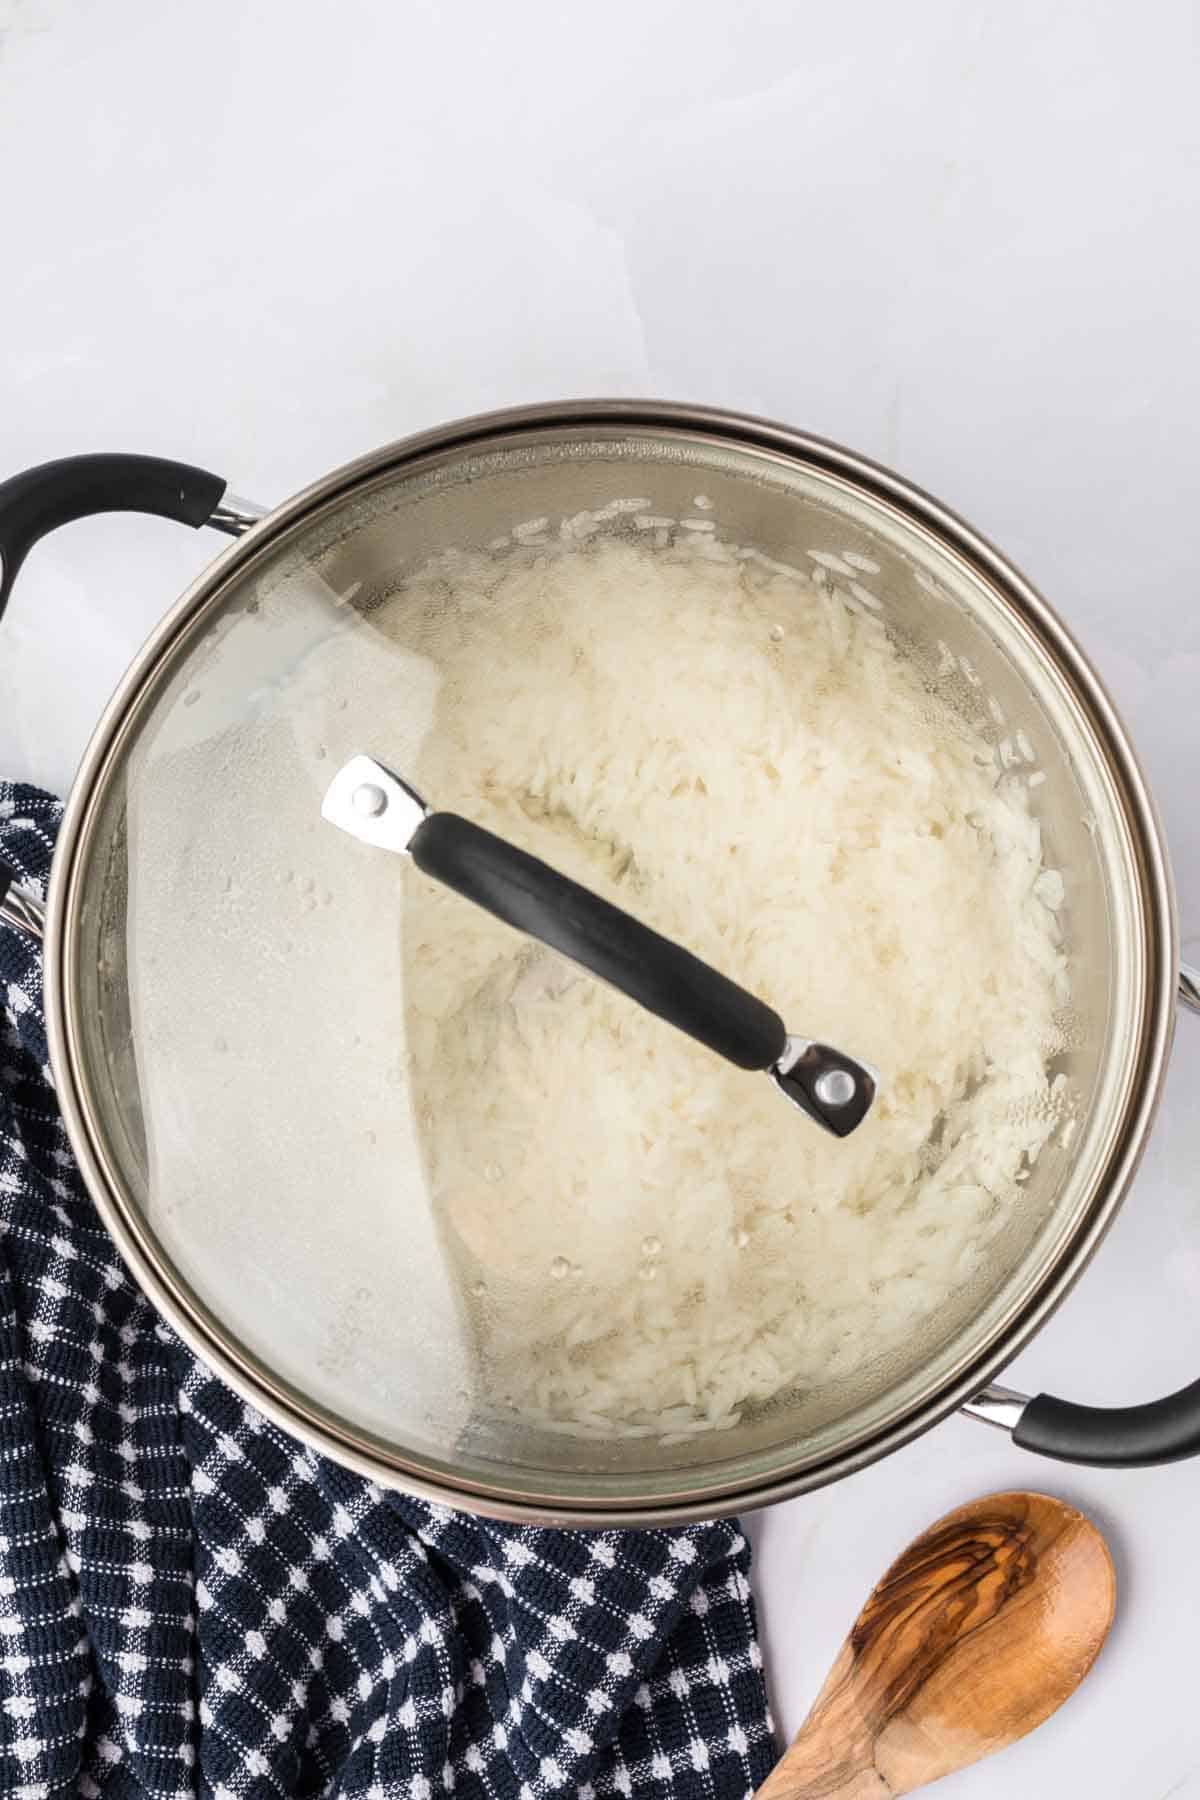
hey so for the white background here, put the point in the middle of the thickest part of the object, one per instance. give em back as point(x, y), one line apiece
point(962, 237)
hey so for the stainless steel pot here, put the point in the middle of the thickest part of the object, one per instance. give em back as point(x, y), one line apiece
point(178, 902)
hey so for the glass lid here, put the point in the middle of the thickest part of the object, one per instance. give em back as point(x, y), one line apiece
point(438, 1195)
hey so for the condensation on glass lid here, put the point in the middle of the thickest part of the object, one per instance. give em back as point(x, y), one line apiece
point(657, 1255)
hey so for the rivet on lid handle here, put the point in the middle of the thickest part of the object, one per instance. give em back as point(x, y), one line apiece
point(836, 1090)
point(368, 800)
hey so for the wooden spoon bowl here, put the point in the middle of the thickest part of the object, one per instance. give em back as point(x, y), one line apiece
point(976, 1634)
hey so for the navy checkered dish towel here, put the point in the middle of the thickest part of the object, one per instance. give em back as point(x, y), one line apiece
point(191, 1603)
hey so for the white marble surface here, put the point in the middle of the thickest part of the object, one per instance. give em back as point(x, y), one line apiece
point(961, 237)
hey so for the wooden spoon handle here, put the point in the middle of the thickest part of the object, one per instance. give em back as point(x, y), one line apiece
point(832, 1755)
point(814, 1785)
point(813, 1769)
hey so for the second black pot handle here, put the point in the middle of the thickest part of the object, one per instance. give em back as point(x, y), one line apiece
point(1104, 1437)
point(41, 499)
point(374, 805)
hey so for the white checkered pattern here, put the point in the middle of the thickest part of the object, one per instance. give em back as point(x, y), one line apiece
point(192, 1604)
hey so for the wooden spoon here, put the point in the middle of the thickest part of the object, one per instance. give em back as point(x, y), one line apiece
point(985, 1625)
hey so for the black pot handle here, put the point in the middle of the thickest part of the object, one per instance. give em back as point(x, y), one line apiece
point(1105, 1437)
point(1113, 1437)
point(55, 493)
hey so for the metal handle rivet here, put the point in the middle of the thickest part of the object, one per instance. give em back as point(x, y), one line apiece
point(369, 800)
point(836, 1087)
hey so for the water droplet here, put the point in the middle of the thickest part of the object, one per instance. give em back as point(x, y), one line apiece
point(741, 1239)
point(492, 1171)
point(651, 1246)
point(560, 1267)
point(191, 697)
point(777, 634)
point(702, 503)
point(479, 1289)
point(648, 1272)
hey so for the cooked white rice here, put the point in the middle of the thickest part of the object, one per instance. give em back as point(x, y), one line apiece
point(740, 756)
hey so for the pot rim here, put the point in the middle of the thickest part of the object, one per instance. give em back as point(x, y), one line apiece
point(201, 1331)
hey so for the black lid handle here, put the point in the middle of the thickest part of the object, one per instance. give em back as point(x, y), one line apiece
point(376, 806)
point(56, 493)
point(660, 975)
